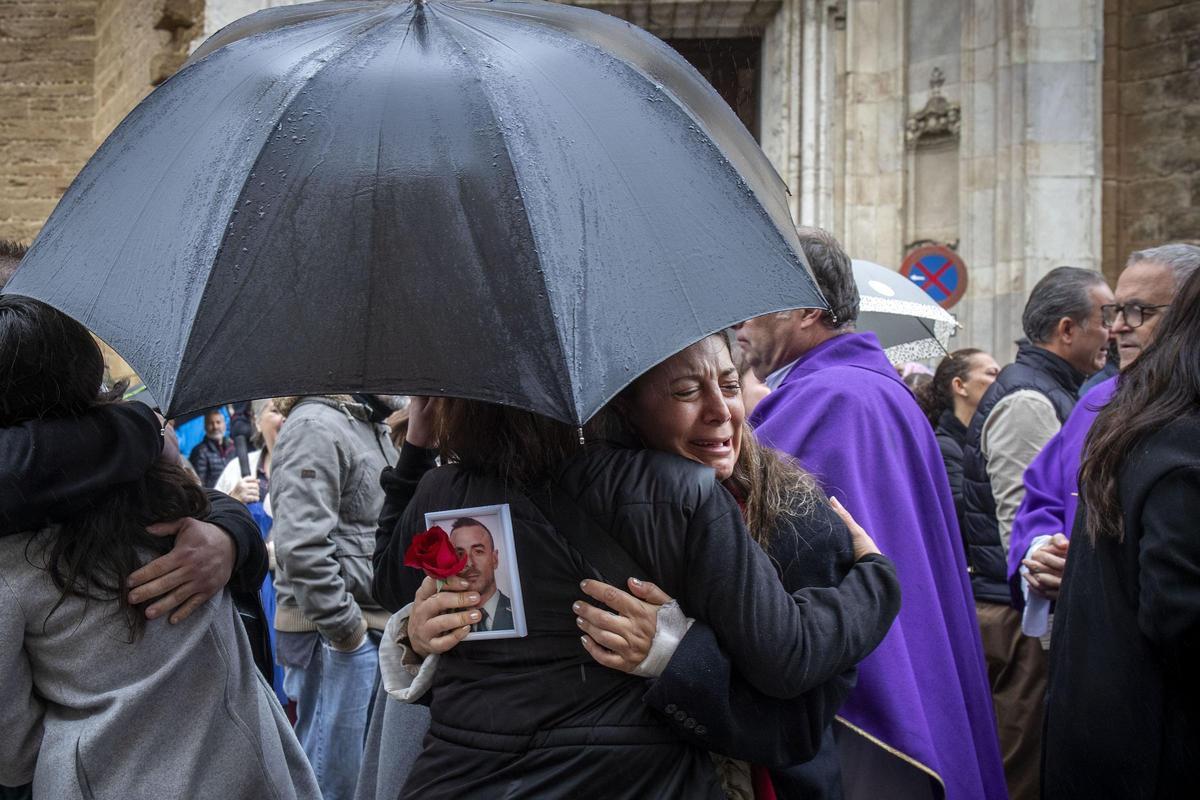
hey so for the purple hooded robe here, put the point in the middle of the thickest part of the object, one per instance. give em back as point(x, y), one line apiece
point(923, 694)
point(1052, 483)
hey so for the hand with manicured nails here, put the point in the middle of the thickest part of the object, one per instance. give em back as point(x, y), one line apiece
point(440, 620)
point(622, 640)
point(198, 566)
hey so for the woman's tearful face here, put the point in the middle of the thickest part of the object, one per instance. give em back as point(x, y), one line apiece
point(691, 404)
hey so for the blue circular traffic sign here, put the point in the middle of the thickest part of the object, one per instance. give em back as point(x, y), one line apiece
point(939, 272)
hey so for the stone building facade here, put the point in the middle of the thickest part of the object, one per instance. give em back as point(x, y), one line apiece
point(1024, 133)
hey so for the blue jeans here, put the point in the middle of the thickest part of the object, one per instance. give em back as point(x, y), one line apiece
point(333, 696)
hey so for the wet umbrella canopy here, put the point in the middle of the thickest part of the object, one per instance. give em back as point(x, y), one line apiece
point(519, 202)
point(909, 324)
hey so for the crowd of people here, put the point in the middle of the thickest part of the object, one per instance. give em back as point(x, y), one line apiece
point(769, 568)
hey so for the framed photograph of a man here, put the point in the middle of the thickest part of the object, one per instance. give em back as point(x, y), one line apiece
point(485, 536)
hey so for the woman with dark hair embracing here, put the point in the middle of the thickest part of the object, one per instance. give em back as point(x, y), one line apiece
point(664, 475)
point(98, 701)
point(1123, 704)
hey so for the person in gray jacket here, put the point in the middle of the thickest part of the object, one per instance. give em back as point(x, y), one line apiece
point(98, 700)
point(326, 497)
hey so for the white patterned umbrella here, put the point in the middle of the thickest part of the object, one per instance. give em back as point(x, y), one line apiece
point(910, 324)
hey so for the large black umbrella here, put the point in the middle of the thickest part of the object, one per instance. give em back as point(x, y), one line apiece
point(520, 202)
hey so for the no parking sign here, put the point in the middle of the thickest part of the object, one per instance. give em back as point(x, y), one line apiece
point(939, 272)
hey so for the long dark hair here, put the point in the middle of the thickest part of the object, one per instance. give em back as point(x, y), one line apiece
point(1163, 384)
point(937, 396)
point(519, 447)
point(50, 367)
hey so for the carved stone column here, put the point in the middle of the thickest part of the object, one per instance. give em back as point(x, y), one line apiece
point(797, 103)
point(871, 219)
point(1031, 154)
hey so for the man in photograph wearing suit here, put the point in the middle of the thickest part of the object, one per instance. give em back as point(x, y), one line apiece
point(471, 538)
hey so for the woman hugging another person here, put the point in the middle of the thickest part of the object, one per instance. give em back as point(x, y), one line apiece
point(98, 701)
point(670, 476)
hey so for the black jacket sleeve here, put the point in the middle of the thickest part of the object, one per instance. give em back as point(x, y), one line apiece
point(1169, 568)
point(730, 587)
point(232, 517)
point(52, 469)
point(952, 457)
point(707, 701)
point(391, 582)
point(711, 705)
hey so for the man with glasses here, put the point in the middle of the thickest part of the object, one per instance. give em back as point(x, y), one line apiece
point(1042, 527)
point(1066, 340)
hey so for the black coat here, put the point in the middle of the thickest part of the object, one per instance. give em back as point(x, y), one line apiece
point(951, 436)
point(794, 738)
point(1123, 705)
point(567, 726)
point(209, 458)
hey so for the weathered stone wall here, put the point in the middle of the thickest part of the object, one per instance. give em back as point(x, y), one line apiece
point(139, 44)
point(871, 213)
point(1151, 125)
point(47, 106)
point(70, 70)
point(1030, 166)
point(798, 96)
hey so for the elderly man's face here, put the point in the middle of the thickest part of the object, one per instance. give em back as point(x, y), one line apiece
point(474, 542)
point(1145, 283)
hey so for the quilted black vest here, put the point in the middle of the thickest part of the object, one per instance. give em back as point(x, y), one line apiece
point(1042, 371)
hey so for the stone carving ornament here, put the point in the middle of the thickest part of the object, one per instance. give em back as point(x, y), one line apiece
point(939, 121)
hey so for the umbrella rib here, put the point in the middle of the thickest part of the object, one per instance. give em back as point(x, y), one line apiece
point(932, 335)
point(149, 196)
point(521, 190)
point(370, 294)
point(616, 167)
point(191, 345)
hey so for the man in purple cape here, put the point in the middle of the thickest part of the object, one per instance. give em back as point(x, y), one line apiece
point(922, 708)
point(1145, 289)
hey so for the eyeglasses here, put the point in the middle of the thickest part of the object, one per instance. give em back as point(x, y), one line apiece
point(1135, 314)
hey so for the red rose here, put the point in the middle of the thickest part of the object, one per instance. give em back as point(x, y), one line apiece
point(431, 551)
